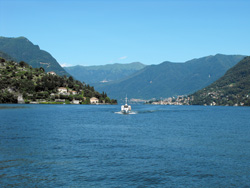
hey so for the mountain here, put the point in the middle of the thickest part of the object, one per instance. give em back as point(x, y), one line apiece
point(110, 72)
point(231, 89)
point(6, 56)
point(169, 79)
point(22, 49)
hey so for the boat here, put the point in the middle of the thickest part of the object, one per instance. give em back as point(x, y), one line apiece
point(126, 109)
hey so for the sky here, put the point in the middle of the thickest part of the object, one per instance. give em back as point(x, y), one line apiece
point(98, 32)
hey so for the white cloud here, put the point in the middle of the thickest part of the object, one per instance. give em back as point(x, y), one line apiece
point(65, 65)
point(124, 57)
point(118, 59)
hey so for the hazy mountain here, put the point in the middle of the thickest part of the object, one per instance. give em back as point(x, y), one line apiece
point(110, 72)
point(22, 49)
point(169, 79)
point(231, 89)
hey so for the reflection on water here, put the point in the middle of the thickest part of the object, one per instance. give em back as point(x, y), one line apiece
point(12, 107)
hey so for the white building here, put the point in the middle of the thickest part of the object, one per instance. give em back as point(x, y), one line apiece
point(52, 73)
point(94, 100)
point(62, 90)
point(75, 102)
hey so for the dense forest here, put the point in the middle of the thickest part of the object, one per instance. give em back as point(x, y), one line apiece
point(34, 85)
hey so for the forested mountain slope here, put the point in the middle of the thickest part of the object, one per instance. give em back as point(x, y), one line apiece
point(21, 49)
point(168, 79)
point(231, 89)
point(106, 73)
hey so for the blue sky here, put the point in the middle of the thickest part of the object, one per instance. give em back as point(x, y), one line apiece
point(96, 32)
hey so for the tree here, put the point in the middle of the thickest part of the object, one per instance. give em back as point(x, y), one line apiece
point(71, 79)
point(107, 100)
point(7, 97)
point(23, 64)
point(113, 101)
point(42, 69)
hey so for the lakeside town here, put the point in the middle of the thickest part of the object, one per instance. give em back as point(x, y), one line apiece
point(215, 100)
point(178, 100)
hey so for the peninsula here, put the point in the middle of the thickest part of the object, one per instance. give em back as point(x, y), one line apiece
point(20, 83)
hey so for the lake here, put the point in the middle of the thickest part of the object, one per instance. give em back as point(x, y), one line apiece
point(94, 146)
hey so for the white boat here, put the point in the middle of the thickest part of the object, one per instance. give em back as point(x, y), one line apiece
point(126, 108)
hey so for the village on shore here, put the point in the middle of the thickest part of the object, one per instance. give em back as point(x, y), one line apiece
point(178, 100)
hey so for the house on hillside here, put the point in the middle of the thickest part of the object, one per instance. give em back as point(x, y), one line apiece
point(94, 100)
point(62, 90)
point(75, 101)
point(59, 100)
point(20, 99)
point(2, 64)
point(51, 72)
point(74, 92)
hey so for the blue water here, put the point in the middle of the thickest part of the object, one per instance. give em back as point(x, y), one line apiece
point(92, 146)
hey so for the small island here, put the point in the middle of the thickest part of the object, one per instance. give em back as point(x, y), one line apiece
point(20, 83)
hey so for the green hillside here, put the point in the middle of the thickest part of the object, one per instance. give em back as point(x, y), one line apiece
point(6, 56)
point(34, 85)
point(168, 79)
point(21, 49)
point(110, 72)
point(231, 89)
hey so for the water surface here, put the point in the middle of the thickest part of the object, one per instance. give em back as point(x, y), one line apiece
point(93, 146)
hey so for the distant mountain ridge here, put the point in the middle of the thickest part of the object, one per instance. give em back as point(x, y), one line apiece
point(109, 72)
point(22, 49)
point(231, 89)
point(169, 79)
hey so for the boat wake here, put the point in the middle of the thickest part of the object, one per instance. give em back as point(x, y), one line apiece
point(139, 112)
point(131, 112)
point(148, 111)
